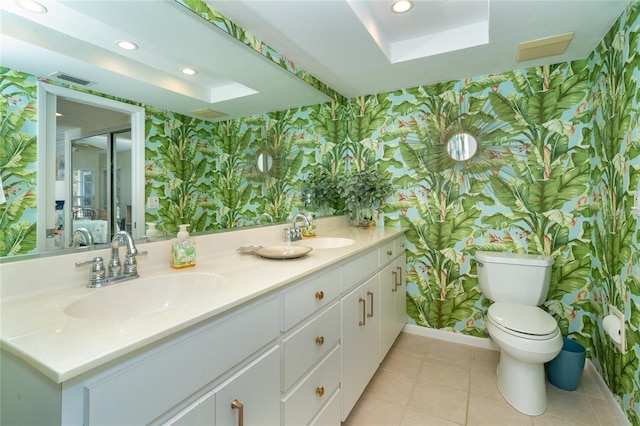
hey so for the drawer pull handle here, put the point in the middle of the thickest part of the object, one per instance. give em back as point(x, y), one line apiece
point(320, 391)
point(319, 295)
point(364, 309)
point(320, 340)
point(395, 281)
point(235, 404)
point(370, 314)
point(389, 252)
point(399, 283)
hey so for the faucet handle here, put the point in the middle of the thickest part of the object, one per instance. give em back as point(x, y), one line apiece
point(97, 274)
point(131, 264)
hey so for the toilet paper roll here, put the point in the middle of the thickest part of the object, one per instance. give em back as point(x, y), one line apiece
point(611, 325)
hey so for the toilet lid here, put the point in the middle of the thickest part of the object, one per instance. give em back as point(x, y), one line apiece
point(524, 319)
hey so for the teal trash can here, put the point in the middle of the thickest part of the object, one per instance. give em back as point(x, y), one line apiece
point(565, 370)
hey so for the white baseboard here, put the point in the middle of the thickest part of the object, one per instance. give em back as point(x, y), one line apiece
point(479, 342)
point(487, 343)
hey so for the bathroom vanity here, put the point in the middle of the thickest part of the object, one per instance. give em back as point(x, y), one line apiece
point(281, 342)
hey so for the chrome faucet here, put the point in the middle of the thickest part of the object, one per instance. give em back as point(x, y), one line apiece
point(267, 216)
point(114, 273)
point(82, 232)
point(294, 233)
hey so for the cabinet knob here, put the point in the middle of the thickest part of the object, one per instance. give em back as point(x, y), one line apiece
point(319, 295)
point(320, 391)
point(389, 252)
point(237, 405)
point(320, 340)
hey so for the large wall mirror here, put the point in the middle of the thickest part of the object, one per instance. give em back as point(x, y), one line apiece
point(90, 168)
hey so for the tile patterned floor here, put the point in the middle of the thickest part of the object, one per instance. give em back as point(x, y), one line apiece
point(430, 382)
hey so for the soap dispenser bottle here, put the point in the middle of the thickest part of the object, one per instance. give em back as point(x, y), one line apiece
point(309, 230)
point(152, 232)
point(183, 249)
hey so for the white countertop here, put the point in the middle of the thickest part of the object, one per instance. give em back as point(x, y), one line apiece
point(35, 327)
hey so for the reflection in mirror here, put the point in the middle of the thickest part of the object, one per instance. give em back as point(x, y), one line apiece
point(265, 162)
point(101, 184)
point(462, 146)
point(91, 163)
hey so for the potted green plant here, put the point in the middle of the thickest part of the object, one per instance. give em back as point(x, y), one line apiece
point(363, 192)
point(325, 194)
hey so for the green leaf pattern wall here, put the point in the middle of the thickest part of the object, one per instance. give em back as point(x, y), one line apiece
point(561, 154)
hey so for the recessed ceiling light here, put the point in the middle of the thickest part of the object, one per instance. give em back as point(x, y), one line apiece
point(189, 71)
point(127, 45)
point(32, 6)
point(401, 6)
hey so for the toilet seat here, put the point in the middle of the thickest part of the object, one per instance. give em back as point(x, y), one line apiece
point(528, 322)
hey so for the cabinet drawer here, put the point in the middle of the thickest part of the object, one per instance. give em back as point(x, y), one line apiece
point(355, 271)
point(314, 392)
point(307, 345)
point(391, 250)
point(144, 390)
point(387, 253)
point(307, 297)
point(330, 413)
point(253, 391)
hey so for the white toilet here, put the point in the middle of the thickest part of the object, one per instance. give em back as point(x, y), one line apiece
point(528, 336)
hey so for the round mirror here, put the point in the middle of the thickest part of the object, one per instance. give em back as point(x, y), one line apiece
point(265, 162)
point(462, 146)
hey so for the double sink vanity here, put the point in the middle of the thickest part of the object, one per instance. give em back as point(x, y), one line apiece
point(238, 339)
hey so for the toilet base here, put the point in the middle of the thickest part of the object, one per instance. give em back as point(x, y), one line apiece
point(522, 385)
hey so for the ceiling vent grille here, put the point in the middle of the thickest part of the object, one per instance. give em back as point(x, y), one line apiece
point(208, 113)
point(71, 79)
point(543, 47)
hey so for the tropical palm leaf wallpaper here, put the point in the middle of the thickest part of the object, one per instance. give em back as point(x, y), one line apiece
point(558, 161)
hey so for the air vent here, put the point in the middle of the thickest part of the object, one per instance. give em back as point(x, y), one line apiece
point(208, 113)
point(540, 48)
point(71, 79)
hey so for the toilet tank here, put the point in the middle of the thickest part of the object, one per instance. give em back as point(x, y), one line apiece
point(514, 277)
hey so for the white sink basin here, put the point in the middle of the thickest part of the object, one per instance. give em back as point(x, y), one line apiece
point(144, 296)
point(325, 242)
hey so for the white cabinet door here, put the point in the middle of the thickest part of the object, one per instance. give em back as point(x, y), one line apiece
point(401, 295)
point(252, 395)
point(360, 340)
point(392, 303)
point(200, 413)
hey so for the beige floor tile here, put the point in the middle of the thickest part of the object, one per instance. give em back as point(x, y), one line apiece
point(604, 412)
point(573, 406)
point(422, 381)
point(420, 418)
point(453, 352)
point(391, 387)
point(402, 362)
point(413, 343)
point(485, 411)
point(373, 412)
point(440, 401)
point(550, 420)
point(445, 373)
point(589, 386)
point(485, 359)
point(483, 382)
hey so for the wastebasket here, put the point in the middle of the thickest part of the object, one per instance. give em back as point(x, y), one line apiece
point(565, 370)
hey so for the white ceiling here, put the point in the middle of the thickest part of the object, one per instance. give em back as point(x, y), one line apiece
point(356, 47)
point(329, 39)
